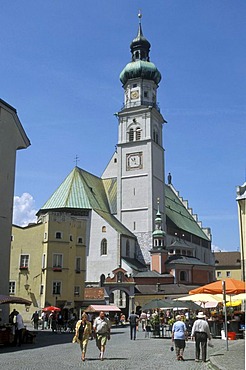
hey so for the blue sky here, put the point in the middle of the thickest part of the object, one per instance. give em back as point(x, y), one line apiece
point(60, 64)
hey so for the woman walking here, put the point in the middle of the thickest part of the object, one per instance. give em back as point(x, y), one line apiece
point(179, 335)
point(82, 333)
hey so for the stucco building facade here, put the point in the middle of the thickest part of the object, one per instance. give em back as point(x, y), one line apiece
point(12, 138)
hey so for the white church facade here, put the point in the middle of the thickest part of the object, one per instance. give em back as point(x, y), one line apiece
point(119, 208)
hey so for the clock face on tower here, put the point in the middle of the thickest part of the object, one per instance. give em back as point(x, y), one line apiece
point(135, 94)
point(134, 161)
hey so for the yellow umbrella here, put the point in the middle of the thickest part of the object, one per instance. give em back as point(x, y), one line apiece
point(234, 303)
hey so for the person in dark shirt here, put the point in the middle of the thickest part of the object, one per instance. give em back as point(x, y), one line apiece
point(133, 320)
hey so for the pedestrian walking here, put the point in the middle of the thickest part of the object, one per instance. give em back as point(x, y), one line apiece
point(19, 326)
point(83, 331)
point(133, 320)
point(200, 331)
point(143, 318)
point(101, 327)
point(35, 319)
point(179, 336)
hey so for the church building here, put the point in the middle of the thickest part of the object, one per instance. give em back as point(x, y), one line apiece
point(137, 229)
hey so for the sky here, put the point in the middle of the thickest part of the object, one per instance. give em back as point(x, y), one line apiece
point(60, 64)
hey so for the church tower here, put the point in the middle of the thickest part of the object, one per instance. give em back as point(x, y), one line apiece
point(140, 152)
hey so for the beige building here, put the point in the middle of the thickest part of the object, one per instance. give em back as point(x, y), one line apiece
point(241, 201)
point(12, 138)
point(227, 265)
point(48, 262)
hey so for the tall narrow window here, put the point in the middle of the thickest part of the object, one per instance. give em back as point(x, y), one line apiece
point(12, 287)
point(104, 247)
point(138, 133)
point(131, 134)
point(43, 261)
point(78, 264)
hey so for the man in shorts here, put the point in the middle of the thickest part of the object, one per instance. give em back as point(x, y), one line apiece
point(101, 327)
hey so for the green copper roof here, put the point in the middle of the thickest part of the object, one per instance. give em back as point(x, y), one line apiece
point(82, 190)
point(79, 190)
point(180, 216)
point(140, 69)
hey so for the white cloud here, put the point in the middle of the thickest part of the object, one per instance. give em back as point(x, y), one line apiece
point(215, 248)
point(24, 211)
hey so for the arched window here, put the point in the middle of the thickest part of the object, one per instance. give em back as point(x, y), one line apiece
point(104, 229)
point(102, 280)
point(138, 134)
point(127, 248)
point(131, 134)
point(183, 276)
point(104, 247)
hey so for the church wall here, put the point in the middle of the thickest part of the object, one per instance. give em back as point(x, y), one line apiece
point(98, 264)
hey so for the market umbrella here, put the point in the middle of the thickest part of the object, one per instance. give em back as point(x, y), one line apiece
point(182, 305)
point(241, 296)
point(233, 286)
point(4, 299)
point(202, 298)
point(51, 308)
point(157, 303)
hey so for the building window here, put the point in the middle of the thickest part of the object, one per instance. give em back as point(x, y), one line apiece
point(41, 289)
point(80, 240)
point(104, 247)
point(102, 280)
point(12, 287)
point(78, 264)
point(183, 276)
point(58, 235)
point(43, 261)
point(219, 274)
point(156, 136)
point(131, 134)
point(45, 236)
point(12, 238)
point(104, 229)
point(228, 273)
point(127, 248)
point(57, 261)
point(134, 85)
point(138, 134)
point(71, 238)
point(76, 290)
point(146, 94)
point(24, 261)
point(56, 287)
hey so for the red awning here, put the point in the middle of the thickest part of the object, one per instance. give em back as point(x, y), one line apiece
point(102, 307)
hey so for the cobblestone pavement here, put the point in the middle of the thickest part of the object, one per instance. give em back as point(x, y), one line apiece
point(56, 351)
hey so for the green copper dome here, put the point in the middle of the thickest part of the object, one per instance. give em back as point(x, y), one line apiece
point(140, 69)
point(140, 66)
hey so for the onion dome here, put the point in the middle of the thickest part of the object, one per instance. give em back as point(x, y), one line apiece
point(140, 66)
point(158, 232)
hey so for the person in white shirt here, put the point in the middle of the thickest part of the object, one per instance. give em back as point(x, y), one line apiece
point(101, 327)
point(19, 326)
point(200, 331)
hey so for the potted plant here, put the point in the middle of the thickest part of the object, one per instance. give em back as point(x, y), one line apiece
point(155, 323)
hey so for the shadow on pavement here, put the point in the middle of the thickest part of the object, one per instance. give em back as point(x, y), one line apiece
point(43, 339)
